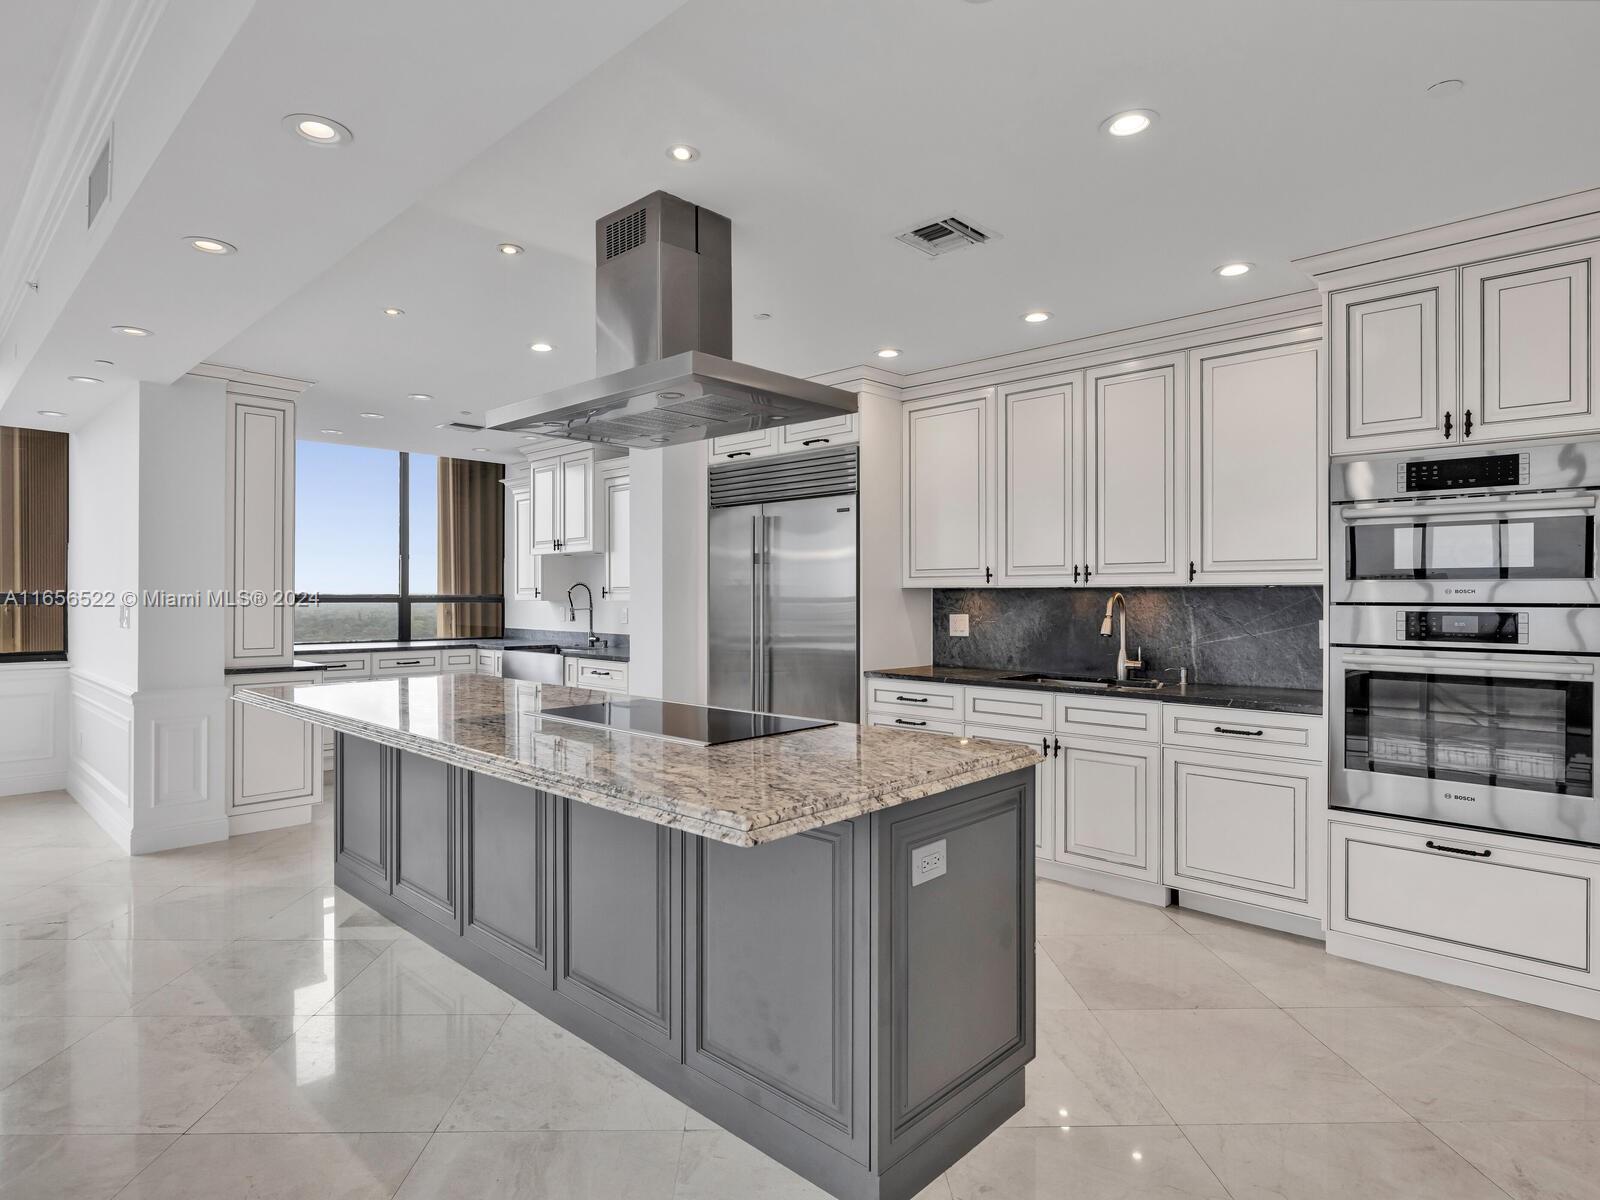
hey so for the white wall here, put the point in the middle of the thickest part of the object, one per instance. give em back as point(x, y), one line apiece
point(896, 622)
point(103, 541)
point(558, 573)
point(668, 619)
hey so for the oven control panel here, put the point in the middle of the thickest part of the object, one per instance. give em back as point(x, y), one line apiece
point(1463, 474)
point(1460, 625)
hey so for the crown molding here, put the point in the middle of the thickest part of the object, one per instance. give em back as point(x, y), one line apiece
point(84, 94)
point(252, 383)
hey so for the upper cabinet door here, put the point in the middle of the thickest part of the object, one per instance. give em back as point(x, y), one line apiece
point(949, 475)
point(1393, 368)
point(543, 501)
point(615, 488)
point(1041, 484)
point(813, 435)
point(578, 534)
point(735, 446)
point(1136, 472)
point(1529, 331)
point(525, 565)
point(1256, 507)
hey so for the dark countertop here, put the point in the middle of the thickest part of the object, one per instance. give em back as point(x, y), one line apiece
point(1261, 699)
point(299, 664)
point(604, 652)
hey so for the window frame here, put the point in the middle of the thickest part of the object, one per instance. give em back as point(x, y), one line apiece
point(404, 599)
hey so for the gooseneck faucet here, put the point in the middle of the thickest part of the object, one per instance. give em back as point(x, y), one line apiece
point(1123, 661)
point(572, 609)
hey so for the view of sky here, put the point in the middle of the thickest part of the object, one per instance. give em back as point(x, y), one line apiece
point(347, 518)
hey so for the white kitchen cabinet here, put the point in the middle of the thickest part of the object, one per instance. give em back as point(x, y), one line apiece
point(488, 662)
point(1239, 827)
point(1044, 780)
point(917, 724)
point(276, 760)
point(1256, 502)
point(600, 674)
point(1529, 331)
point(260, 529)
point(1135, 472)
point(615, 490)
point(459, 662)
point(1108, 807)
point(526, 567)
point(564, 502)
point(736, 447)
point(1393, 364)
point(814, 435)
point(1041, 483)
point(948, 465)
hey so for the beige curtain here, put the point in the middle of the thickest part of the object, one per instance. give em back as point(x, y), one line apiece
point(471, 545)
point(33, 537)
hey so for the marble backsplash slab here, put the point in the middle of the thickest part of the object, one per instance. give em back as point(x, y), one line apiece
point(1246, 636)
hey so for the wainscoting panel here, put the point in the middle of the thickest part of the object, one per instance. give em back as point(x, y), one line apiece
point(179, 798)
point(100, 772)
point(33, 728)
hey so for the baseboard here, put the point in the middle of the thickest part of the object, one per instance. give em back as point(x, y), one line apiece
point(175, 837)
point(118, 825)
point(277, 818)
point(1252, 914)
point(1141, 890)
point(23, 785)
point(1496, 981)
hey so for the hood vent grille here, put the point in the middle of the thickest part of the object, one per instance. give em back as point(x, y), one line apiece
point(944, 235)
point(624, 233)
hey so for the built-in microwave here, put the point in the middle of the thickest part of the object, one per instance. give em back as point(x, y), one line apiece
point(1515, 527)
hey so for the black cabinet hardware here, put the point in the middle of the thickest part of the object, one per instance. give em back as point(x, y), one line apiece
point(1074, 572)
point(1086, 572)
point(1191, 570)
point(604, 592)
point(913, 699)
point(408, 662)
point(1044, 747)
point(815, 442)
point(1447, 426)
point(739, 454)
point(1058, 748)
point(1466, 423)
point(903, 721)
point(987, 575)
point(607, 674)
point(1457, 850)
point(1240, 732)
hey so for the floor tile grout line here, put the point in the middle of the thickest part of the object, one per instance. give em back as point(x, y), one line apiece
point(1428, 1129)
point(165, 1150)
point(1134, 1067)
point(1487, 1015)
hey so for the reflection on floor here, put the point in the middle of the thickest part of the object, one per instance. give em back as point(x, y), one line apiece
point(220, 1022)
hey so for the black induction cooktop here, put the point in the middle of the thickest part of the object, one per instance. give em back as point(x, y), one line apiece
point(692, 723)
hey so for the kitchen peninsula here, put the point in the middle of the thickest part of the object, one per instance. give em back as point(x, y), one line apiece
point(821, 940)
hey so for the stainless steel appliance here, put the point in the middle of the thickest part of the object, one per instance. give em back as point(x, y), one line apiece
point(782, 585)
point(694, 724)
point(539, 664)
point(664, 331)
point(1492, 527)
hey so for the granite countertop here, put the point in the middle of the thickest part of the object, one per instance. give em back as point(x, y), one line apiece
point(605, 652)
point(299, 664)
point(743, 793)
point(1262, 699)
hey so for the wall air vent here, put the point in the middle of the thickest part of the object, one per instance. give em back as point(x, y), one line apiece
point(944, 235)
point(624, 233)
point(99, 182)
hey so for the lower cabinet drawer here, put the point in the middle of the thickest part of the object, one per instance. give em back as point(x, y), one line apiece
point(1102, 716)
point(939, 700)
point(488, 662)
point(924, 724)
point(355, 666)
point(1244, 731)
point(604, 676)
point(460, 660)
point(420, 663)
point(1466, 898)
point(1010, 708)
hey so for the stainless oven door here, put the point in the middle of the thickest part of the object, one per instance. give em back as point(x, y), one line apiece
point(1525, 549)
point(1486, 741)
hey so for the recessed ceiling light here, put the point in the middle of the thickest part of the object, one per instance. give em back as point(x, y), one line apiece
point(208, 245)
point(419, 396)
point(318, 131)
point(442, 425)
point(373, 416)
point(1446, 87)
point(394, 312)
point(83, 379)
point(50, 412)
point(682, 153)
point(541, 347)
point(762, 317)
point(1037, 317)
point(530, 437)
point(480, 449)
point(888, 352)
point(1234, 269)
point(332, 432)
point(130, 330)
point(1126, 124)
point(104, 362)
point(510, 249)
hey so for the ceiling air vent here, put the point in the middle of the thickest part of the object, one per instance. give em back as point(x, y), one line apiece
point(944, 235)
point(99, 181)
point(625, 233)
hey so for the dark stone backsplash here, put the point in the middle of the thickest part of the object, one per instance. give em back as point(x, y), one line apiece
point(1247, 636)
point(615, 643)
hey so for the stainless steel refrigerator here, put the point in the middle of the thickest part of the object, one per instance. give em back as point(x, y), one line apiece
point(784, 628)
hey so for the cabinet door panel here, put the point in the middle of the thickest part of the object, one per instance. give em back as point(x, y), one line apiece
point(1106, 811)
point(576, 524)
point(542, 502)
point(524, 562)
point(949, 478)
point(361, 810)
point(424, 801)
point(1040, 481)
point(1135, 471)
point(1529, 327)
point(1392, 373)
point(507, 885)
point(275, 758)
point(1255, 431)
point(617, 490)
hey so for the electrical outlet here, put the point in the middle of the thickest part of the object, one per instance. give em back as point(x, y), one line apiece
point(124, 616)
point(959, 626)
point(624, 616)
point(928, 862)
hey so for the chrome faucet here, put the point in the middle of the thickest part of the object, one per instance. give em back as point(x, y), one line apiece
point(572, 610)
point(1123, 661)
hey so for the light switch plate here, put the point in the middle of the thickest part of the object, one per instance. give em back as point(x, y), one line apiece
point(959, 625)
point(928, 862)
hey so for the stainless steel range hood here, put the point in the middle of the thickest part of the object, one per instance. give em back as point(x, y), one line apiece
point(664, 330)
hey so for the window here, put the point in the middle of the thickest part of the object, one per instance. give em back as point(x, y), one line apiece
point(396, 546)
point(33, 544)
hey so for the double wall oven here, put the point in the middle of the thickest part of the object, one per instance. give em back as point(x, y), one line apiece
point(1465, 634)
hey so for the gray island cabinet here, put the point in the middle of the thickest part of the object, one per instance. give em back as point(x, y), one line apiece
point(822, 941)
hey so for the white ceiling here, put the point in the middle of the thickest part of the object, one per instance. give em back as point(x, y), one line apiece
point(1287, 127)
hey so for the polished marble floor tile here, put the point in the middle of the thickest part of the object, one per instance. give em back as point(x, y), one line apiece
point(1532, 1160)
point(537, 1076)
point(410, 976)
point(22, 866)
point(1063, 911)
point(324, 913)
point(88, 978)
point(547, 1166)
point(1127, 1163)
point(60, 911)
point(1141, 971)
point(1052, 992)
point(1379, 1161)
point(281, 1166)
point(140, 1075)
point(1571, 1039)
point(1453, 1064)
point(1080, 1077)
point(263, 979)
point(200, 911)
point(38, 1166)
point(1243, 1066)
point(25, 1042)
point(715, 1165)
point(357, 1074)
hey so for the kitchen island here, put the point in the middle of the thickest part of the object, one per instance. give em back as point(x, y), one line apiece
point(821, 940)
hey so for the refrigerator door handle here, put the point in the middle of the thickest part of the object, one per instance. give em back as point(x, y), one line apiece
point(756, 589)
point(764, 589)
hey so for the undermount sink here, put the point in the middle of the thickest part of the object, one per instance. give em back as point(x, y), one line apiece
point(1088, 681)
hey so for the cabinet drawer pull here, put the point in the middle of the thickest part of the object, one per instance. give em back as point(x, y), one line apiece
point(815, 442)
point(1240, 732)
point(737, 454)
point(1466, 423)
point(607, 674)
point(1432, 845)
point(903, 721)
point(1058, 748)
point(913, 699)
point(408, 662)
